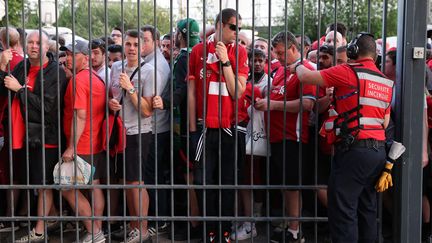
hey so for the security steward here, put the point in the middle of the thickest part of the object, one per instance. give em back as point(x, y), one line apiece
point(362, 102)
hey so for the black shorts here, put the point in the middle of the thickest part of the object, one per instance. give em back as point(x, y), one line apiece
point(323, 168)
point(133, 161)
point(116, 166)
point(35, 165)
point(291, 171)
point(99, 162)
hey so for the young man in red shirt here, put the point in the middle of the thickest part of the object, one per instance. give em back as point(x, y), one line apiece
point(89, 106)
point(286, 136)
point(220, 84)
point(25, 86)
point(363, 95)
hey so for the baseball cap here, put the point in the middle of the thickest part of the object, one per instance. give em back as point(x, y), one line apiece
point(193, 30)
point(80, 47)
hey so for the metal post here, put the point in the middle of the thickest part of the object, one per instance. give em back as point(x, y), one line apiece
point(409, 86)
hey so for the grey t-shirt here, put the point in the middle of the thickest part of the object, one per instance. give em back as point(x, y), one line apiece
point(160, 117)
point(101, 73)
point(131, 114)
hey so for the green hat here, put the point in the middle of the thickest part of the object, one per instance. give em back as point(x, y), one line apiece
point(193, 30)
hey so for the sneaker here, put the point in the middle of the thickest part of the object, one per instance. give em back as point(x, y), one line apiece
point(71, 227)
point(32, 237)
point(120, 233)
point(226, 237)
point(211, 237)
point(257, 209)
point(280, 227)
point(246, 231)
point(7, 227)
point(23, 224)
point(134, 237)
point(90, 238)
point(278, 237)
point(161, 229)
point(53, 225)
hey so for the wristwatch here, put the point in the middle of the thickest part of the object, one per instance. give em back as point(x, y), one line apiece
point(226, 64)
point(131, 91)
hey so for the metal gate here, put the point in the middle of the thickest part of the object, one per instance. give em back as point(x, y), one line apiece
point(172, 171)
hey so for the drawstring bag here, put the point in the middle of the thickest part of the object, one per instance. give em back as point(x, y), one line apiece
point(64, 172)
point(258, 136)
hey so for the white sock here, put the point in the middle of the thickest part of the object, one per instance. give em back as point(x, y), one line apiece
point(294, 233)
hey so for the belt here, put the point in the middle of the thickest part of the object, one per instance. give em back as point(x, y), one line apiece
point(363, 143)
point(368, 143)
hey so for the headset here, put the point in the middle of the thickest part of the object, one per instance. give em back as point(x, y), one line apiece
point(352, 47)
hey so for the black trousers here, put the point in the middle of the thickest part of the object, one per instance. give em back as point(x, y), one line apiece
point(163, 173)
point(209, 166)
point(352, 198)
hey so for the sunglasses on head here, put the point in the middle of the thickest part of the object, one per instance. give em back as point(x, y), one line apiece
point(234, 27)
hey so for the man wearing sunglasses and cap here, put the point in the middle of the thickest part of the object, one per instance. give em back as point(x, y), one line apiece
point(223, 87)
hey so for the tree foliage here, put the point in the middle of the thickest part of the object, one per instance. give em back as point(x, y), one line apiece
point(355, 23)
point(114, 16)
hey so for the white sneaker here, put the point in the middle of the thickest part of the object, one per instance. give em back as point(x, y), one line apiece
point(246, 231)
point(134, 237)
point(32, 237)
point(90, 238)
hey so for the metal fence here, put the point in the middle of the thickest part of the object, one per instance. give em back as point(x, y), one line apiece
point(174, 197)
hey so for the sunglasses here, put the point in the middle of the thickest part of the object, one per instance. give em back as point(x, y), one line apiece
point(234, 27)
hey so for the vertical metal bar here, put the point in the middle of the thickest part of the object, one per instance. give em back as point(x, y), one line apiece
point(251, 171)
point(219, 161)
point(408, 179)
point(268, 212)
point(12, 199)
point(383, 60)
point(124, 134)
point(171, 109)
point(141, 176)
point(107, 154)
point(316, 144)
point(368, 17)
point(156, 169)
point(204, 154)
point(236, 152)
point(335, 32)
point(92, 203)
point(59, 120)
point(42, 120)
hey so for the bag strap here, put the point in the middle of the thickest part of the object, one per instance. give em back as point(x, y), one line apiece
point(131, 77)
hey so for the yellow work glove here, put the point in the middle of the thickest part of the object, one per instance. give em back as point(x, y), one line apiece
point(385, 180)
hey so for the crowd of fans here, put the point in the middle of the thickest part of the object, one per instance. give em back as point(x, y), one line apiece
point(148, 88)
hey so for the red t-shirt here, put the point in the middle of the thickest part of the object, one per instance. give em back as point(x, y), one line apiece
point(82, 102)
point(18, 125)
point(324, 146)
point(196, 70)
point(246, 100)
point(16, 58)
point(291, 91)
point(343, 78)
